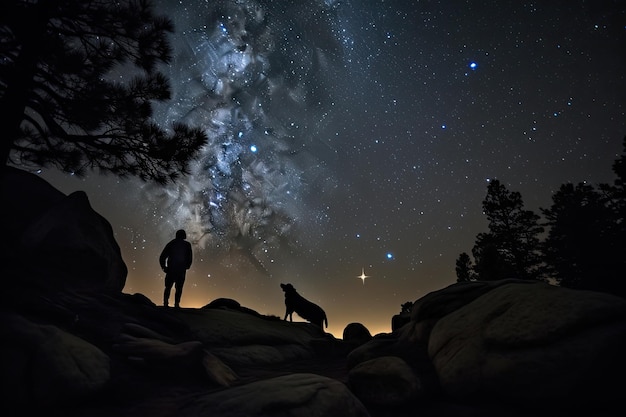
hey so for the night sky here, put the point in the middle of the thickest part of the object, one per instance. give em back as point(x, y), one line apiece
point(358, 137)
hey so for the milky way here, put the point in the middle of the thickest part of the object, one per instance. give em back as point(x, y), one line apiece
point(257, 77)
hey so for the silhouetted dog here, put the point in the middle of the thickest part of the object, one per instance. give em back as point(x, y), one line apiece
point(303, 307)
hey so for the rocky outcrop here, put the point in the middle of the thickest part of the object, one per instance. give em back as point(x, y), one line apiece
point(532, 343)
point(519, 344)
point(85, 348)
point(74, 245)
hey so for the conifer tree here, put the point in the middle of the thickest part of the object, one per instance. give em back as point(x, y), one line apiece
point(511, 247)
point(78, 79)
point(586, 239)
point(576, 250)
point(464, 268)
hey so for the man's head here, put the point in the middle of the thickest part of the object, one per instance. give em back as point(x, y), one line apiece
point(180, 234)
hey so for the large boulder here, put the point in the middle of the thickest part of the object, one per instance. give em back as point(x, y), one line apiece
point(526, 343)
point(355, 335)
point(241, 339)
point(182, 358)
point(53, 240)
point(386, 381)
point(44, 365)
point(427, 310)
point(296, 395)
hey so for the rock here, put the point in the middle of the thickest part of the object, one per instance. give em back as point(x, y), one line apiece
point(76, 242)
point(430, 308)
point(356, 334)
point(532, 343)
point(399, 320)
point(157, 354)
point(261, 354)
point(61, 238)
point(296, 395)
point(385, 381)
point(218, 372)
point(229, 303)
point(234, 327)
point(414, 354)
point(44, 365)
point(25, 198)
point(186, 358)
point(380, 345)
point(224, 302)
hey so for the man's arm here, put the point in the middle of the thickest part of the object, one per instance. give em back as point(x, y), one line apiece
point(189, 255)
point(163, 256)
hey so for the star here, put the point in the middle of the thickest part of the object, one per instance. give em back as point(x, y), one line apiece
point(363, 276)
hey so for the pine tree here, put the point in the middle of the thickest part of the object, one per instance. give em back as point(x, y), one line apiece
point(576, 251)
point(464, 268)
point(586, 242)
point(77, 83)
point(491, 263)
point(511, 248)
point(616, 194)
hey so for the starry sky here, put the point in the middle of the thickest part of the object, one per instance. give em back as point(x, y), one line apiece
point(356, 138)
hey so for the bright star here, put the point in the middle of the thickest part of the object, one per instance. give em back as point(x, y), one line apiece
point(363, 276)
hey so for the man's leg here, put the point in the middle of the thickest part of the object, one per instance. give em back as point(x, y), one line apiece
point(168, 288)
point(179, 290)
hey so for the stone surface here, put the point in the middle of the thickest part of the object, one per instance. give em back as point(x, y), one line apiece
point(385, 381)
point(45, 365)
point(356, 334)
point(297, 395)
point(74, 245)
point(532, 342)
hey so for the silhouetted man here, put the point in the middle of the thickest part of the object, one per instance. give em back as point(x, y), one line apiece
point(175, 260)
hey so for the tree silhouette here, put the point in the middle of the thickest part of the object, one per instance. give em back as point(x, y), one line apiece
point(577, 252)
point(617, 231)
point(491, 260)
point(406, 307)
point(511, 248)
point(77, 81)
point(464, 268)
point(616, 194)
point(584, 247)
point(586, 242)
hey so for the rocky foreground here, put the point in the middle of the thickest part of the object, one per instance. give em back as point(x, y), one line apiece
point(74, 344)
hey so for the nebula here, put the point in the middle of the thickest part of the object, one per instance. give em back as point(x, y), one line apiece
point(256, 76)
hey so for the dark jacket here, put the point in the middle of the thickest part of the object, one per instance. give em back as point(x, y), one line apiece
point(176, 256)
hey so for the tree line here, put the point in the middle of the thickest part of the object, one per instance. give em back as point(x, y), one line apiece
point(579, 241)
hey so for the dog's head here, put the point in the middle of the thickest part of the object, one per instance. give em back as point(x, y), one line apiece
point(288, 288)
